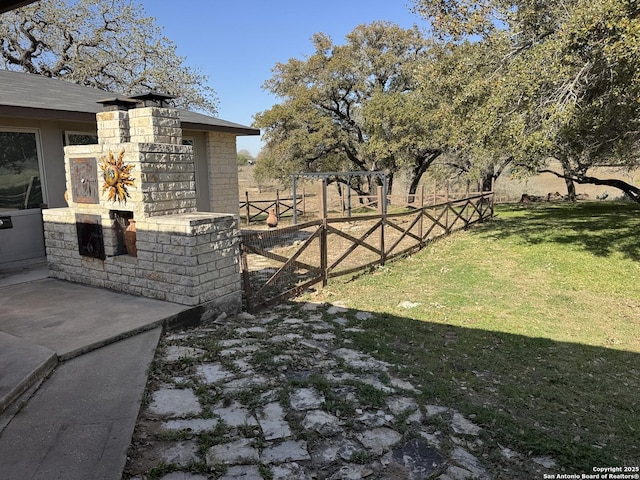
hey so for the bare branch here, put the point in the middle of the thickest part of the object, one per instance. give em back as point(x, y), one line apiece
point(632, 191)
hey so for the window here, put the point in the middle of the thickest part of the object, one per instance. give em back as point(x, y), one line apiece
point(80, 138)
point(20, 180)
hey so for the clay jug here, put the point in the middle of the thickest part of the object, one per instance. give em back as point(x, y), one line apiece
point(272, 220)
point(130, 238)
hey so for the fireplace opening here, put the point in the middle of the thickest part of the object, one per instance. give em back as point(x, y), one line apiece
point(90, 236)
point(120, 222)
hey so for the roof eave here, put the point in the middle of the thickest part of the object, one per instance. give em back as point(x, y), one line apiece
point(46, 114)
point(6, 5)
point(89, 117)
point(219, 128)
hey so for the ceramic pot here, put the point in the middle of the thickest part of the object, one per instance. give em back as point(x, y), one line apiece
point(130, 238)
point(272, 219)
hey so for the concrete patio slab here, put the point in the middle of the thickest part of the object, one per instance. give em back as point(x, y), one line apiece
point(72, 319)
point(79, 423)
point(22, 364)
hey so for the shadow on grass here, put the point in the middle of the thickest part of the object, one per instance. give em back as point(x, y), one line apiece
point(575, 403)
point(602, 228)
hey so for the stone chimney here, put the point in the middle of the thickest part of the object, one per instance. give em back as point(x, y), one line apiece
point(113, 121)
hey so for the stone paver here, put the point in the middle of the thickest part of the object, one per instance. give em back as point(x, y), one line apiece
point(306, 399)
point(174, 402)
point(213, 373)
point(272, 422)
point(290, 451)
point(241, 451)
point(193, 425)
point(280, 395)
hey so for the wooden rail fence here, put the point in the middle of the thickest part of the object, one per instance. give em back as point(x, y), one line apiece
point(281, 263)
point(258, 210)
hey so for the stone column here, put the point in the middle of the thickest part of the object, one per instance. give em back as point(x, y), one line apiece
point(155, 125)
point(113, 127)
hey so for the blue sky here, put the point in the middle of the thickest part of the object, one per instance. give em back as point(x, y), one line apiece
point(237, 43)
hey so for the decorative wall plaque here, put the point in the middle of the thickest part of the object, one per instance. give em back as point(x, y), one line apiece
point(117, 177)
point(84, 180)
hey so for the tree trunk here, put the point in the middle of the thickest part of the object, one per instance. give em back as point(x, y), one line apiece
point(419, 168)
point(568, 175)
point(487, 182)
point(571, 189)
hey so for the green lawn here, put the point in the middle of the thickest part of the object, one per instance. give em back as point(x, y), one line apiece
point(530, 323)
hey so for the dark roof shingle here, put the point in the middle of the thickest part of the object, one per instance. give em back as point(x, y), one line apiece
point(36, 96)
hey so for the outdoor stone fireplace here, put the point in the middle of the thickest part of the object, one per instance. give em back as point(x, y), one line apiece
point(140, 174)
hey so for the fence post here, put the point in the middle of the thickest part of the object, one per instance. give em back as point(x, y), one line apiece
point(246, 195)
point(277, 203)
point(323, 233)
point(420, 224)
point(383, 219)
point(446, 201)
point(435, 192)
point(294, 194)
point(304, 202)
point(493, 194)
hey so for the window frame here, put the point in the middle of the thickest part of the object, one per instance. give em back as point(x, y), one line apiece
point(41, 166)
point(78, 132)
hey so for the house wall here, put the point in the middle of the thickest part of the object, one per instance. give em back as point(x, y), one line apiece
point(51, 138)
point(24, 242)
point(223, 172)
point(215, 163)
point(203, 191)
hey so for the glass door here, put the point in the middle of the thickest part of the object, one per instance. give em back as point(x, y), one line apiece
point(21, 197)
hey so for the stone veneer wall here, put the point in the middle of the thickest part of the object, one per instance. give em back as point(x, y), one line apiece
point(183, 256)
point(190, 259)
point(222, 162)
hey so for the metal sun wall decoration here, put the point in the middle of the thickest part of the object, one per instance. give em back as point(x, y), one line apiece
point(117, 177)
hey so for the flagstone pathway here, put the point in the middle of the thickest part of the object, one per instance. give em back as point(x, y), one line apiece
point(283, 396)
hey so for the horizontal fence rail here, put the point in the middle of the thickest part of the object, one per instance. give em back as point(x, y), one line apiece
point(281, 263)
point(258, 210)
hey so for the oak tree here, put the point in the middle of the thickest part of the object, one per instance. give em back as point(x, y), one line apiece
point(107, 44)
point(564, 82)
point(351, 107)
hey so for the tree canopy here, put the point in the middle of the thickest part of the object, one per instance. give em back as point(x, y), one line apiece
point(496, 84)
point(106, 44)
point(558, 80)
point(351, 106)
point(244, 157)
